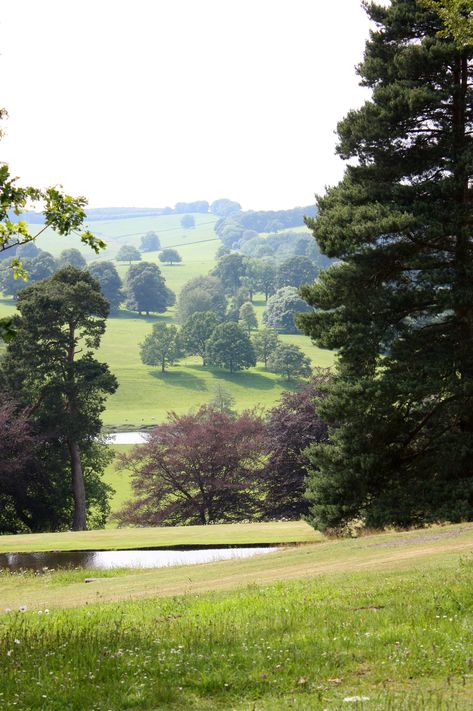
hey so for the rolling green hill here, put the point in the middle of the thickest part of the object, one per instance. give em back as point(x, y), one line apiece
point(145, 395)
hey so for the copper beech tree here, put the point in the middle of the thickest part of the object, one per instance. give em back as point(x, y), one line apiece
point(198, 468)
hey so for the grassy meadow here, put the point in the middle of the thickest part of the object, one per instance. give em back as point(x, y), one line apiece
point(380, 622)
point(145, 395)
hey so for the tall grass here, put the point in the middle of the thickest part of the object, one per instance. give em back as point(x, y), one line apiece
point(400, 640)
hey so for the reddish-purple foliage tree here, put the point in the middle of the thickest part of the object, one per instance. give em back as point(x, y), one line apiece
point(292, 426)
point(198, 468)
point(18, 445)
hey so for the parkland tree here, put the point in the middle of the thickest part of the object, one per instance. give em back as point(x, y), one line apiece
point(50, 368)
point(398, 305)
point(200, 468)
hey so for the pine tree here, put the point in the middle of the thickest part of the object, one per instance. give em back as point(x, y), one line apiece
point(398, 305)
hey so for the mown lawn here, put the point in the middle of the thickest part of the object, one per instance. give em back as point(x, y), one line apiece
point(383, 622)
point(162, 537)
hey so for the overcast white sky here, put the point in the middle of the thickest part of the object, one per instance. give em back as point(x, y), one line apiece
point(151, 102)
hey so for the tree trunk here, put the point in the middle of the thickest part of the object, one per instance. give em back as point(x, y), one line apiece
point(78, 487)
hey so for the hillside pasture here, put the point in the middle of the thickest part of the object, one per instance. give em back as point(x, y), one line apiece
point(145, 395)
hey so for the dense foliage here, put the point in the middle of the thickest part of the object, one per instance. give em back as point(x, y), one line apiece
point(282, 309)
point(198, 468)
point(292, 426)
point(399, 305)
point(150, 242)
point(147, 290)
point(289, 360)
point(201, 294)
point(162, 346)
point(49, 367)
point(110, 283)
point(230, 347)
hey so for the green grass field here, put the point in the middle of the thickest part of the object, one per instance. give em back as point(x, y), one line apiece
point(162, 537)
point(378, 623)
point(145, 396)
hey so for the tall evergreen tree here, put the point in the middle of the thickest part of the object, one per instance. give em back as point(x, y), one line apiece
point(398, 305)
point(50, 368)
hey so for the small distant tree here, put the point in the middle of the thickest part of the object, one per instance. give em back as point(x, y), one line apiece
point(281, 309)
point(170, 256)
point(230, 347)
point(199, 468)
point(162, 346)
point(266, 277)
point(204, 293)
point(236, 302)
point(71, 258)
point(230, 268)
point(196, 332)
point(224, 207)
point(265, 343)
point(147, 290)
point(292, 426)
point(248, 317)
point(150, 242)
point(290, 361)
point(296, 271)
point(128, 253)
point(222, 400)
point(110, 283)
point(37, 268)
point(188, 222)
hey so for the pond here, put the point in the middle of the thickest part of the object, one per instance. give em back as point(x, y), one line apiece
point(105, 560)
point(127, 438)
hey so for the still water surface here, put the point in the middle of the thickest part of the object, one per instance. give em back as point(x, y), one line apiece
point(104, 560)
point(127, 438)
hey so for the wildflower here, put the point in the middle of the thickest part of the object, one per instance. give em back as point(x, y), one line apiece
point(355, 699)
point(22, 608)
point(9, 653)
point(8, 609)
point(46, 612)
point(17, 641)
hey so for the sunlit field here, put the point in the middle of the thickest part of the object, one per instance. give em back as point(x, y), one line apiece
point(382, 622)
point(145, 395)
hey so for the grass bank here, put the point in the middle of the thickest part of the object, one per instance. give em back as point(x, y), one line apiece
point(162, 537)
point(382, 622)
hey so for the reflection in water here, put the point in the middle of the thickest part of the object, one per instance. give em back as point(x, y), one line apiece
point(104, 560)
point(127, 438)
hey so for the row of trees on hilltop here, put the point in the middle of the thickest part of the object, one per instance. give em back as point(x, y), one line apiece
point(129, 253)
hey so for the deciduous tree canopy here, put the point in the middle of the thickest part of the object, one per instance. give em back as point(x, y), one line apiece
point(199, 468)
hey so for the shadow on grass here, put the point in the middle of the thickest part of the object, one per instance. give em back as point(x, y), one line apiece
point(253, 380)
point(180, 379)
point(152, 318)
